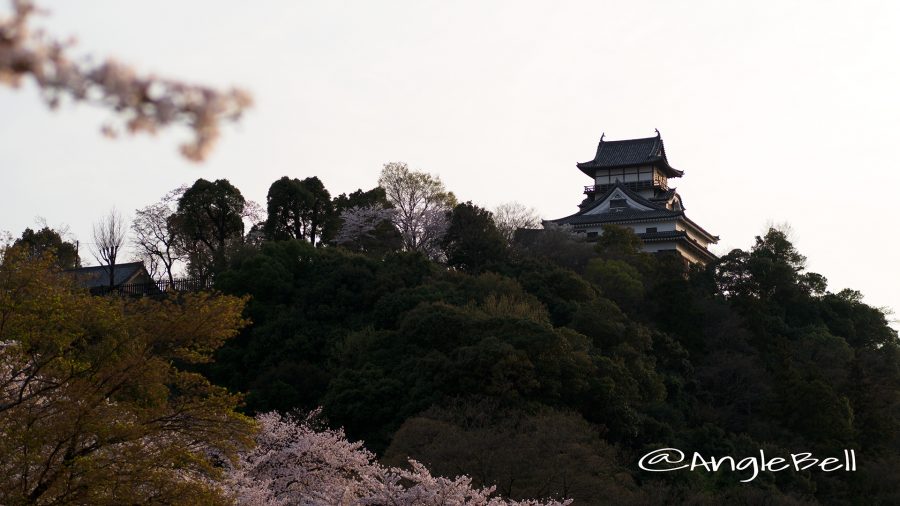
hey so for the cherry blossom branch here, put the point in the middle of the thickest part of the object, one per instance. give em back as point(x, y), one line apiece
point(145, 103)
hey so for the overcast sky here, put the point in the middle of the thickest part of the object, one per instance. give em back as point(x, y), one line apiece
point(777, 111)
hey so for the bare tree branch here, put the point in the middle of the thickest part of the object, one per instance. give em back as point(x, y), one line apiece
point(109, 237)
point(512, 216)
point(156, 235)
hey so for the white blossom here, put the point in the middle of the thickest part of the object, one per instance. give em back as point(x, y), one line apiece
point(421, 204)
point(359, 222)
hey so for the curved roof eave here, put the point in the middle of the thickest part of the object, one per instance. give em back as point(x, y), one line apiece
point(712, 238)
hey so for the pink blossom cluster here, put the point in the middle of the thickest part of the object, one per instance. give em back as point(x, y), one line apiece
point(293, 463)
point(145, 103)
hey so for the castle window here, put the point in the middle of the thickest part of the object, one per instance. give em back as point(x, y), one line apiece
point(592, 234)
point(618, 203)
point(651, 230)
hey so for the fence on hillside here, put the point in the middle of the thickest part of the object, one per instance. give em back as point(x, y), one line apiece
point(156, 288)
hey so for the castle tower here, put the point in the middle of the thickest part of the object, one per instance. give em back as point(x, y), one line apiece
point(631, 189)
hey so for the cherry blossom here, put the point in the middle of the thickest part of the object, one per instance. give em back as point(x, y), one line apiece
point(145, 103)
point(297, 463)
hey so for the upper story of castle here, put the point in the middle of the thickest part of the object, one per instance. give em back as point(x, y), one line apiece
point(637, 164)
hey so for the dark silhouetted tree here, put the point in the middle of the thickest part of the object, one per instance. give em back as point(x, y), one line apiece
point(297, 209)
point(472, 241)
point(47, 240)
point(285, 204)
point(210, 220)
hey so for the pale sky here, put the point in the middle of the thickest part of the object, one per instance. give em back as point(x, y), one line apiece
point(778, 111)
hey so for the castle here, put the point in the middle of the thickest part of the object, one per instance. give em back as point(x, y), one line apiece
point(631, 189)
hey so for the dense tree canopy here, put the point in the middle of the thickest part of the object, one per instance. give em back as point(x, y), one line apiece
point(541, 363)
point(620, 351)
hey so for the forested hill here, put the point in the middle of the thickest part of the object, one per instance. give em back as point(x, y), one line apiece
point(427, 328)
point(549, 369)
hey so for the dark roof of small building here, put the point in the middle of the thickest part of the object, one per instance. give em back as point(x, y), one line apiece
point(630, 153)
point(98, 275)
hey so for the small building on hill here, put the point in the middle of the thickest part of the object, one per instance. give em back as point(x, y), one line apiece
point(631, 189)
point(125, 277)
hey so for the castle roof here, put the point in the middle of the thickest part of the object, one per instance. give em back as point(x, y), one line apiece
point(630, 153)
point(664, 196)
point(682, 237)
point(598, 212)
point(656, 210)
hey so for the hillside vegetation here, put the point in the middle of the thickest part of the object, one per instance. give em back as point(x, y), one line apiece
point(530, 364)
point(550, 369)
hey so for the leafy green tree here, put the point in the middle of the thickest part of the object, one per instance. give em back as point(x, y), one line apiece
point(771, 271)
point(304, 301)
point(561, 290)
point(555, 244)
point(550, 452)
point(618, 242)
point(297, 209)
point(37, 243)
point(617, 279)
point(210, 221)
point(875, 398)
point(861, 325)
point(318, 209)
point(285, 205)
point(97, 405)
point(472, 241)
point(447, 351)
point(623, 245)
